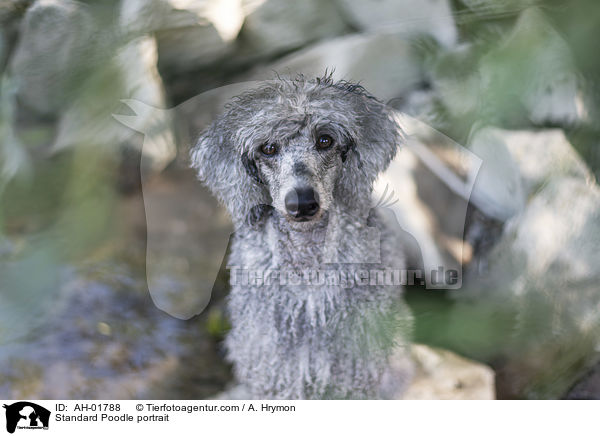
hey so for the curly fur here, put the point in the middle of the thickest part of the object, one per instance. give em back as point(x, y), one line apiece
point(301, 340)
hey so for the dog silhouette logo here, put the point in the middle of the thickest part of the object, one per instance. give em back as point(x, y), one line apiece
point(26, 415)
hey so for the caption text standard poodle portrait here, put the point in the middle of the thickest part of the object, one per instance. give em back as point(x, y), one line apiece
point(294, 161)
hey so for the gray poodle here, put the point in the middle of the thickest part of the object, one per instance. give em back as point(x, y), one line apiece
point(294, 161)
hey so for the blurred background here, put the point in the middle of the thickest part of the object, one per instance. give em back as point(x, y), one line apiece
point(515, 81)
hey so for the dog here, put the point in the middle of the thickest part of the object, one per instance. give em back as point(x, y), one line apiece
point(294, 160)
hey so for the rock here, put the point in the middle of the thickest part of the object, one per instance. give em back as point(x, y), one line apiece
point(276, 26)
point(554, 268)
point(443, 375)
point(55, 40)
point(384, 63)
point(541, 293)
point(414, 17)
point(510, 173)
point(553, 202)
point(498, 190)
point(559, 235)
point(190, 34)
point(554, 157)
point(534, 314)
point(533, 66)
point(421, 104)
point(11, 14)
point(130, 74)
point(225, 16)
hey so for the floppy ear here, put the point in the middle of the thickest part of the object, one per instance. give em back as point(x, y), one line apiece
point(375, 141)
point(228, 172)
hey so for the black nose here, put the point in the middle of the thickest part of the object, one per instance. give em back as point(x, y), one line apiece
point(302, 202)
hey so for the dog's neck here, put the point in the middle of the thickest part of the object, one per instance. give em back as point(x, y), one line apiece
point(316, 245)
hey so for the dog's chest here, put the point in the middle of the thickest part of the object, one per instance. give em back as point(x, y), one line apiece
point(305, 341)
point(305, 338)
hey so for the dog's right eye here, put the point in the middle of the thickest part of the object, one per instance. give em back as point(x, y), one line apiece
point(324, 141)
point(268, 149)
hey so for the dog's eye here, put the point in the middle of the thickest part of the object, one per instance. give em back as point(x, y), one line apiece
point(268, 149)
point(324, 141)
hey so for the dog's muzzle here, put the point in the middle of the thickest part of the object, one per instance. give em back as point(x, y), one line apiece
point(302, 203)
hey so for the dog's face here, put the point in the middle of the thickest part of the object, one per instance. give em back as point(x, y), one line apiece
point(301, 147)
point(299, 160)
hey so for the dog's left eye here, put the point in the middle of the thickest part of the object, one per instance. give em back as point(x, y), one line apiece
point(268, 149)
point(324, 141)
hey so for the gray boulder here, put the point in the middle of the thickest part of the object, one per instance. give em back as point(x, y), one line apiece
point(517, 163)
point(540, 292)
point(191, 34)
point(547, 268)
point(131, 74)
point(443, 375)
point(384, 63)
point(557, 237)
point(533, 66)
point(554, 157)
point(498, 190)
point(414, 17)
point(71, 64)
point(277, 26)
point(54, 45)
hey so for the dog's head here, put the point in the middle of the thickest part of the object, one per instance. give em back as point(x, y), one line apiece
point(299, 146)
